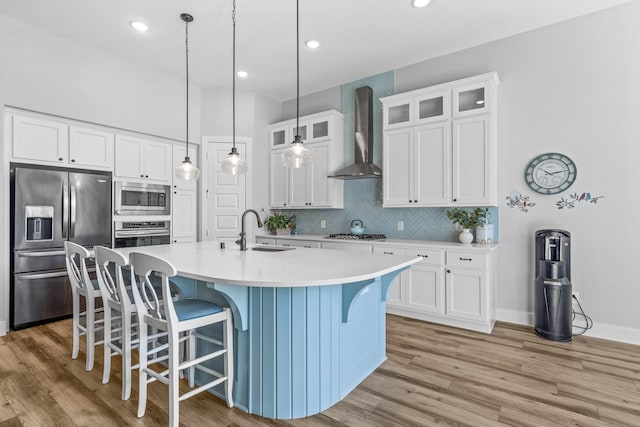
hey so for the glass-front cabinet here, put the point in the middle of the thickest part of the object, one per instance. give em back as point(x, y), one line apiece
point(398, 114)
point(433, 107)
point(278, 136)
point(472, 99)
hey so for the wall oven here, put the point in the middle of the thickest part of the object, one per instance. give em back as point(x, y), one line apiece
point(135, 198)
point(141, 233)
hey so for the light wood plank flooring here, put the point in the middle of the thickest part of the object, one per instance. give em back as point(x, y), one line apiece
point(434, 375)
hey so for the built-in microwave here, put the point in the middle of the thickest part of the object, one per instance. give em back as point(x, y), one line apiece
point(137, 198)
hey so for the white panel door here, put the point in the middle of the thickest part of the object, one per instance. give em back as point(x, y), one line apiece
point(471, 161)
point(397, 170)
point(319, 185)
point(226, 196)
point(91, 147)
point(158, 158)
point(184, 221)
point(40, 139)
point(278, 181)
point(465, 290)
point(129, 151)
point(432, 164)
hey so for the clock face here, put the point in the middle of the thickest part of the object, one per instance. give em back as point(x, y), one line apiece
point(550, 173)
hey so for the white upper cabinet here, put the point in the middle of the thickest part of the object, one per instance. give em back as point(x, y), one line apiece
point(46, 141)
point(91, 147)
point(439, 146)
point(141, 159)
point(307, 188)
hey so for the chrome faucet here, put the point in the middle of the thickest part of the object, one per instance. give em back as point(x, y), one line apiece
point(242, 241)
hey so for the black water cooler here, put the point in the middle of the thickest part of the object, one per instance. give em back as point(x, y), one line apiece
point(552, 285)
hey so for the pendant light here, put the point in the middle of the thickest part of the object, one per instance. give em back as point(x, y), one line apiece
point(233, 164)
point(297, 156)
point(187, 171)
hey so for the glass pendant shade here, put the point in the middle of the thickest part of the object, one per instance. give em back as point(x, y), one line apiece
point(297, 155)
point(233, 164)
point(186, 171)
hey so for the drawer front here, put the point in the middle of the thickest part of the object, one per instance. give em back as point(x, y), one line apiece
point(429, 256)
point(351, 247)
point(467, 259)
point(299, 243)
point(388, 251)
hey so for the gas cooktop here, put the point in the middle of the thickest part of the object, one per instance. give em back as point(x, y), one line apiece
point(347, 236)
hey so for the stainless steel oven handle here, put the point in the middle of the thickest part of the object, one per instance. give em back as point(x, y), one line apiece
point(141, 233)
point(40, 276)
point(40, 254)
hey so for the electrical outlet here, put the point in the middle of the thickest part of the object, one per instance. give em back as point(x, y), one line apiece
point(323, 223)
point(400, 225)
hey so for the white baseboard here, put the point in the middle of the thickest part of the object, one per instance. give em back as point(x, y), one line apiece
point(599, 330)
point(3, 328)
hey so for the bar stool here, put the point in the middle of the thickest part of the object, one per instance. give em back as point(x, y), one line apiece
point(119, 334)
point(82, 286)
point(180, 319)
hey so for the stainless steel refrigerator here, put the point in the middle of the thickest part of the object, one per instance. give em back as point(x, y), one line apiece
point(48, 207)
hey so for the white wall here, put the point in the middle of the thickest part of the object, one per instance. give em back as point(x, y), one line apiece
point(570, 88)
point(253, 115)
point(53, 75)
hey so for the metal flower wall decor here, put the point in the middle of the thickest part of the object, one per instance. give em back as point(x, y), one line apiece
point(576, 199)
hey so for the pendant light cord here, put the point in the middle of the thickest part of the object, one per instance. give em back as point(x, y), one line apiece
point(233, 120)
point(186, 45)
point(297, 69)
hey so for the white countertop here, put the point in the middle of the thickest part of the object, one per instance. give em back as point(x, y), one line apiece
point(482, 247)
point(291, 268)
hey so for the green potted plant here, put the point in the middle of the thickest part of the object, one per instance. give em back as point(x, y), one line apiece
point(280, 224)
point(468, 219)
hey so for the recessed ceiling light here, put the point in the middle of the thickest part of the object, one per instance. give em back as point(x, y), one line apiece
point(312, 44)
point(242, 74)
point(139, 26)
point(420, 3)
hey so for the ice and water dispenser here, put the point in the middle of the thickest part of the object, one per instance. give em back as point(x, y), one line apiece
point(552, 285)
point(39, 223)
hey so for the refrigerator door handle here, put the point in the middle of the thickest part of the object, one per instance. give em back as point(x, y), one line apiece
point(65, 209)
point(74, 206)
point(39, 276)
point(40, 254)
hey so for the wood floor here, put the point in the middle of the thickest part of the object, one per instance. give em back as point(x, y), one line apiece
point(434, 375)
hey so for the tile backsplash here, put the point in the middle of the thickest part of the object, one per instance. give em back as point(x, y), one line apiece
point(363, 200)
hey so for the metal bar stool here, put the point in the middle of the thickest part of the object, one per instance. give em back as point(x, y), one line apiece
point(82, 286)
point(180, 319)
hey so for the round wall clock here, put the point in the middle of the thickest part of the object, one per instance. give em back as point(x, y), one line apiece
point(550, 173)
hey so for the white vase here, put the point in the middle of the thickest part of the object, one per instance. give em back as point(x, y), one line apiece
point(466, 236)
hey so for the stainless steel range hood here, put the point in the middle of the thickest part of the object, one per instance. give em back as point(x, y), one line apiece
point(363, 140)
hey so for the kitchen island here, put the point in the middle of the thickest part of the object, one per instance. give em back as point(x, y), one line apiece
point(309, 323)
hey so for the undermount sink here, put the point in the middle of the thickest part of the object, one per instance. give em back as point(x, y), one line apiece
point(272, 248)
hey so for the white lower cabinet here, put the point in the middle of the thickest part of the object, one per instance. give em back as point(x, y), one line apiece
point(450, 287)
point(184, 221)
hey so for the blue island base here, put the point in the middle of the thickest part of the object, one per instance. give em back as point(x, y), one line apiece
point(300, 350)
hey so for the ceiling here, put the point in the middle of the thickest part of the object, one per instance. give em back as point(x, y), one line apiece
point(359, 38)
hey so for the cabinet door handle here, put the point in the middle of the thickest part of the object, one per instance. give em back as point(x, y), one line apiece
point(141, 176)
point(307, 246)
point(455, 200)
point(448, 271)
point(60, 158)
point(388, 253)
point(466, 259)
point(423, 256)
point(146, 176)
point(415, 201)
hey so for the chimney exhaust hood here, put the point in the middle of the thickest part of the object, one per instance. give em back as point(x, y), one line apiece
point(363, 140)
